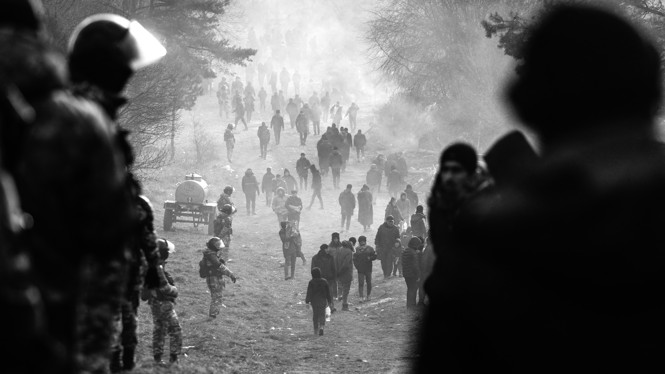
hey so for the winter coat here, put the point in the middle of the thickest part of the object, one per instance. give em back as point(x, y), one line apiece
point(365, 208)
point(318, 293)
point(294, 206)
point(279, 205)
point(336, 160)
point(401, 167)
point(391, 210)
point(250, 186)
point(324, 149)
point(291, 242)
point(345, 149)
point(291, 183)
point(277, 183)
point(395, 182)
point(302, 166)
point(266, 182)
point(374, 178)
point(418, 225)
point(277, 123)
point(316, 180)
point(264, 134)
point(411, 262)
point(347, 202)
point(292, 110)
point(359, 140)
point(302, 123)
point(385, 239)
point(326, 263)
point(413, 198)
point(344, 264)
point(404, 207)
point(363, 257)
point(214, 263)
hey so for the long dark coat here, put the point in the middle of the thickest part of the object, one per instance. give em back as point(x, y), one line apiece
point(365, 208)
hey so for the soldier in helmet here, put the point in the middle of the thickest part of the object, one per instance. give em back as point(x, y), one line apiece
point(162, 305)
point(105, 51)
point(215, 269)
point(225, 198)
point(144, 241)
point(223, 227)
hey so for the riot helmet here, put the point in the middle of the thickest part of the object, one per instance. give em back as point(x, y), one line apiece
point(106, 49)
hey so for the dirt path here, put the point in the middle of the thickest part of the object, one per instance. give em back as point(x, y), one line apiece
point(265, 327)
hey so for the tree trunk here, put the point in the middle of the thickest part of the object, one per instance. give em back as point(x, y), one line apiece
point(173, 119)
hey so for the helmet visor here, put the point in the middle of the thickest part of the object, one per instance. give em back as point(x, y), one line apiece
point(148, 50)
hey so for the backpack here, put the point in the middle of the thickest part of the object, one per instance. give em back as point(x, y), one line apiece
point(203, 268)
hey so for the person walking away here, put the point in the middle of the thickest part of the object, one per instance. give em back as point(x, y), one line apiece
point(373, 179)
point(318, 296)
point(290, 181)
point(262, 99)
point(279, 205)
point(404, 207)
point(230, 141)
point(277, 125)
point(162, 306)
point(302, 168)
point(411, 262)
point(264, 138)
point(326, 263)
point(336, 161)
point(250, 187)
point(294, 206)
point(324, 148)
point(239, 110)
point(345, 150)
point(302, 125)
point(292, 111)
point(344, 264)
point(215, 269)
point(418, 227)
point(365, 208)
point(267, 185)
point(394, 182)
point(347, 202)
point(316, 119)
point(385, 239)
point(362, 260)
point(359, 142)
point(400, 164)
point(316, 186)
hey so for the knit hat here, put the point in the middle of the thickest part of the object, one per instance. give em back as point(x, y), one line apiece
point(316, 273)
point(463, 153)
point(335, 235)
point(390, 218)
point(415, 243)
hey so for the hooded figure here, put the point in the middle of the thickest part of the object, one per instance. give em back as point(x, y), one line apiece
point(418, 223)
point(326, 263)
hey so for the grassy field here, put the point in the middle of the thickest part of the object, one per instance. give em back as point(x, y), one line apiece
point(264, 326)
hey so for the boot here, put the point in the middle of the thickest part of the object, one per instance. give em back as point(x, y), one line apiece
point(173, 359)
point(115, 364)
point(128, 359)
point(158, 360)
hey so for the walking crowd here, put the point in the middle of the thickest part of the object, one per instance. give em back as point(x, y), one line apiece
point(524, 262)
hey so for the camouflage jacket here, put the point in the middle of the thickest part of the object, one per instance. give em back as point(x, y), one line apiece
point(215, 264)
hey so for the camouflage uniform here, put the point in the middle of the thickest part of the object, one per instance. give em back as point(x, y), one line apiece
point(224, 230)
point(216, 270)
point(143, 246)
point(223, 200)
point(165, 319)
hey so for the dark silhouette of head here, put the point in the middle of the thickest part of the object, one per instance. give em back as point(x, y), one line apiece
point(584, 67)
